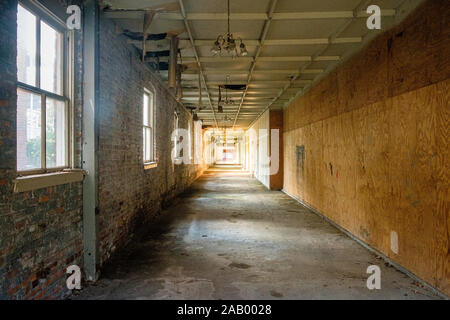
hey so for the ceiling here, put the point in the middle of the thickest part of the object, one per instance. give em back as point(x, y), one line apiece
point(291, 44)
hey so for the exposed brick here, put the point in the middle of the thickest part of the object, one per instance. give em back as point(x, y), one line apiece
point(44, 198)
point(28, 233)
point(128, 194)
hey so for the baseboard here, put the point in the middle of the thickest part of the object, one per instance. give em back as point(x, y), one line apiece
point(368, 247)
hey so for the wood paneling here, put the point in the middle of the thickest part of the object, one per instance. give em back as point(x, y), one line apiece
point(276, 123)
point(376, 134)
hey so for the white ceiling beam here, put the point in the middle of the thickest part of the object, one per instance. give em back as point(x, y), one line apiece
point(210, 42)
point(226, 59)
point(217, 83)
point(275, 16)
point(278, 42)
point(332, 39)
point(261, 59)
point(191, 38)
point(312, 41)
point(288, 71)
point(245, 72)
point(254, 84)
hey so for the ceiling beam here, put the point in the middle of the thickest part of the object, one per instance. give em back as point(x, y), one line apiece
point(262, 59)
point(245, 72)
point(275, 16)
point(148, 18)
point(313, 41)
point(332, 39)
point(278, 42)
point(191, 38)
point(186, 44)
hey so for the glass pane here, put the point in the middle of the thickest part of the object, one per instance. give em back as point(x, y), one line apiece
point(28, 130)
point(151, 101)
point(147, 141)
point(26, 46)
point(150, 139)
point(55, 133)
point(51, 59)
point(146, 109)
point(144, 143)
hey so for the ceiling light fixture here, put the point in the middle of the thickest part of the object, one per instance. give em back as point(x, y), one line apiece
point(227, 101)
point(228, 43)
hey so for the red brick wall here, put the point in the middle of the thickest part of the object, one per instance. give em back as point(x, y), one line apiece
point(129, 195)
point(41, 231)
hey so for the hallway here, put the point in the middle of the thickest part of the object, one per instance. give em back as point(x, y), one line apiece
point(228, 237)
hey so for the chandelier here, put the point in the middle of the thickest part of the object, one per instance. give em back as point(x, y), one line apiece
point(228, 43)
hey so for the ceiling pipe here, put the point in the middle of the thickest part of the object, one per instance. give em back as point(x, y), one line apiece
point(173, 62)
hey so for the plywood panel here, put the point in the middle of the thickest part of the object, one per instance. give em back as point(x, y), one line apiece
point(372, 171)
point(410, 50)
point(376, 142)
point(442, 175)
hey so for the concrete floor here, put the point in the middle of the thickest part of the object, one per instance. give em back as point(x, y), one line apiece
point(229, 237)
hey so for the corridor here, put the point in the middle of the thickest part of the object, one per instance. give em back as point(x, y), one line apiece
point(228, 237)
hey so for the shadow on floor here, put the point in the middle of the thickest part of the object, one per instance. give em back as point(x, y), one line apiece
point(228, 237)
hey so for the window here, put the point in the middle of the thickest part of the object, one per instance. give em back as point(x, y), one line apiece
point(149, 126)
point(42, 103)
point(198, 146)
point(189, 140)
point(175, 130)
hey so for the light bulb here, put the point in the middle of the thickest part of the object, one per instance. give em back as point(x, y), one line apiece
point(244, 51)
point(216, 48)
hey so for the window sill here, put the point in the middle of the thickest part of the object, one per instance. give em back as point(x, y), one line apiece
point(39, 181)
point(150, 165)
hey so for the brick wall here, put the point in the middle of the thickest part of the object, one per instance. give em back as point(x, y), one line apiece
point(40, 231)
point(128, 194)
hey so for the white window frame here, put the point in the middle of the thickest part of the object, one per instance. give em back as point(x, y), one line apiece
point(150, 126)
point(43, 14)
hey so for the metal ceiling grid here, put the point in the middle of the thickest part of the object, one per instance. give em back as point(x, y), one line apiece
point(291, 44)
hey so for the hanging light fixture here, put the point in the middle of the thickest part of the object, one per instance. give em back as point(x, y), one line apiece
point(219, 103)
point(227, 42)
point(227, 101)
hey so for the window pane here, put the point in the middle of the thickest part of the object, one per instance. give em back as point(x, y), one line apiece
point(147, 144)
point(51, 59)
point(26, 46)
point(55, 133)
point(151, 102)
point(28, 130)
point(146, 109)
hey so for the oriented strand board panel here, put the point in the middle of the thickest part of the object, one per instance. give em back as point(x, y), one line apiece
point(368, 146)
point(442, 176)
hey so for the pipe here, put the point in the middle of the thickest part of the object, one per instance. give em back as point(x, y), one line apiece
point(173, 62)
